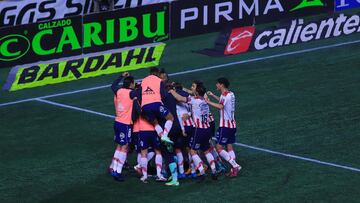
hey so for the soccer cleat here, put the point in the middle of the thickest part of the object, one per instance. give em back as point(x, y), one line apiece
point(233, 172)
point(192, 175)
point(166, 139)
point(236, 170)
point(160, 179)
point(181, 176)
point(144, 179)
point(188, 172)
point(220, 168)
point(117, 176)
point(109, 170)
point(172, 183)
point(214, 176)
point(137, 168)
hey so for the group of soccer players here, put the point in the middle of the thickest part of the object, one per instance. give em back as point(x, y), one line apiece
point(174, 124)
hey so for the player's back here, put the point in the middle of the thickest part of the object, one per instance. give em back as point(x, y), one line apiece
point(123, 106)
point(200, 112)
point(150, 90)
point(227, 114)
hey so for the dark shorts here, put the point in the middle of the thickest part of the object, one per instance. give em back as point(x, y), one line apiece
point(226, 136)
point(212, 128)
point(200, 139)
point(148, 139)
point(122, 133)
point(155, 111)
point(189, 130)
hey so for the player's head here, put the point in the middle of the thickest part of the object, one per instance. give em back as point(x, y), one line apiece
point(169, 86)
point(163, 75)
point(178, 86)
point(194, 85)
point(222, 83)
point(129, 82)
point(200, 90)
point(154, 71)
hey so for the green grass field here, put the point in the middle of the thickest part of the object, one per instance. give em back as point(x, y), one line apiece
point(305, 104)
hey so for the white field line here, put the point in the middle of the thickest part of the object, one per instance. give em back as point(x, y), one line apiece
point(238, 144)
point(193, 71)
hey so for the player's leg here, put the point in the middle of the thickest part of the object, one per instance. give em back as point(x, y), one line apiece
point(144, 164)
point(122, 138)
point(159, 166)
point(222, 139)
point(155, 111)
point(231, 140)
point(195, 143)
point(206, 148)
point(143, 143)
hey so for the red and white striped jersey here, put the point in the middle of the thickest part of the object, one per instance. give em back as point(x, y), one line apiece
point(200, 111)
point(227, 114)
point(181, 109)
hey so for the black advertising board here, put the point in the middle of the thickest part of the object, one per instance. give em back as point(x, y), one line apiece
point(43, 41)
point(197, 17)
point(289, 9)
point(40, 41)
point(126, 27)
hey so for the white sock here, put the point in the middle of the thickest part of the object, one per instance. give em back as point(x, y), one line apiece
point(159, 130)
point(150, 155)
point(167, 127)
point(114, 162)
point(198, 163)
point(143, 164)
point(225, 155)
point(192, 165)
point(232, 159)
point(180, 160)
point(211, 161)
point(138, 158)
point(158, 162)
point(121, 161)
point(215, 154)
point(232, 154)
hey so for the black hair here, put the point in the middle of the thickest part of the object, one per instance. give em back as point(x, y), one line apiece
point(178, 86)
point(162, 70)
point(128, 81)
point(169, 86)
point(198, 83)
point(224, 81)
point(154, 71)
point(201, 90)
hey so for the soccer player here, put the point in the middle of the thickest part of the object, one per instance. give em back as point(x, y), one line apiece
point(183, 111)
point(152, 92)
point(202, 135)
point(225, 135)
point(123, 122)
point(174, 134)
point(148, 138)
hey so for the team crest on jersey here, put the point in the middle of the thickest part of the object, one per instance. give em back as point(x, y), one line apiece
point(162, 109)
point(122, 136)
point(149, 91)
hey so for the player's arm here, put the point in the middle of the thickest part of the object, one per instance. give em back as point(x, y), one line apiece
point(178, 97)
point(187, 91)
point(163, 91)
point(115, 86)
point(213, 96)
point(213, 104)
point(135, 95)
